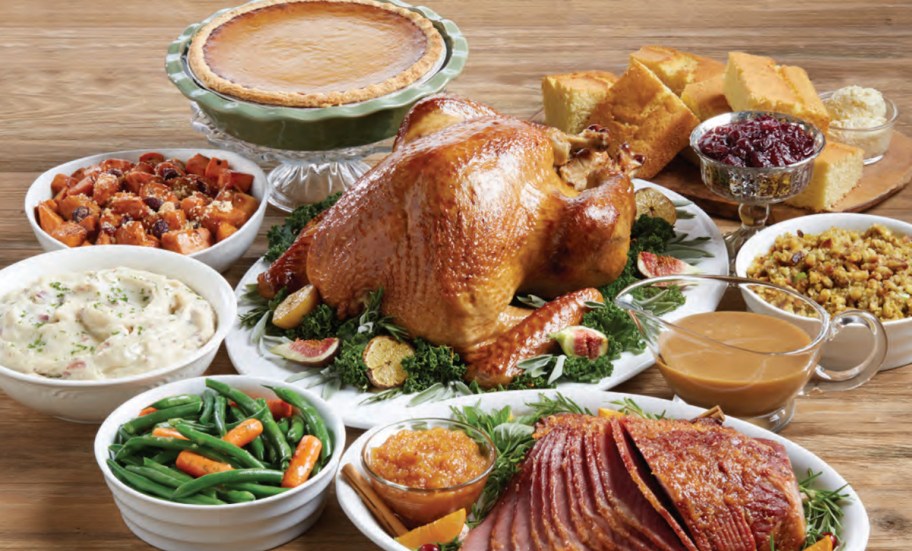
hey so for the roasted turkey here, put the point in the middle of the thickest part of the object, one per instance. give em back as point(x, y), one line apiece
point(471, 208)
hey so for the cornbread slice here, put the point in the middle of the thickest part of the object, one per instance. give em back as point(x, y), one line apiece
point(707, 97)
point(641, 111)
point(675, 68)
point(756, 83)
point(569, 98)
point(836, 171)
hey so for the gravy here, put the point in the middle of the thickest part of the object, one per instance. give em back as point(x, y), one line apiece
point(748, 378)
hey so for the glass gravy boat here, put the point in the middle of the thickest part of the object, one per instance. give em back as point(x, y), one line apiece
point(752, 365)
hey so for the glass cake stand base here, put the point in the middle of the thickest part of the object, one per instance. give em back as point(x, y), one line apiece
point(296, 177)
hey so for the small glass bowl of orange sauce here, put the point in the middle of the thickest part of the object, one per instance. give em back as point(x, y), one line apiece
point(427, 468)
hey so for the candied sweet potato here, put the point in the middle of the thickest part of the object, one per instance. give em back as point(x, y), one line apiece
point(120, 164)
point(215, 167)
point(194, 205)
point(70, 234)
point(106, 186)
point(176, 219)
point(144, 166)
point(104, 238)
point(129, 205)
point(187, 241)
point(197, 164)
point(61, 182)
point(230, 179)
point(133, 233)
point(48, 219)
point(86, 186)
point(77, 207)
point(134, 181)
point(151, 157)
point(90, 223)
point(224, 231)
point(155, 194)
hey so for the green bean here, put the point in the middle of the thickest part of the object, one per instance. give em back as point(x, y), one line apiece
point(296, 430)
point(166, 456)
point(177, 475)
point(281, 452)
point(236, 415)
point(208, 405)
point(173, 401)
point(283, 426)
point(156, 475)
point(218, 415)
point(246, 403)
point(147, 486)
point(208, 428)
point(236, 496)
point(113, 449)
point(218, 445)
point(257, 448)
point(315, 422)
point(130, 460)
point(134, 426)
point(228, 477)
point(122, 436)
point(141, 442)
point(259, 490)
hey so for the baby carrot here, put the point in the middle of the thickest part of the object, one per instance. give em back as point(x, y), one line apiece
point(303, 461)
point(196, 465)
point(280, 409)
point(244, 433)
point(165, 432)
point(147, 411)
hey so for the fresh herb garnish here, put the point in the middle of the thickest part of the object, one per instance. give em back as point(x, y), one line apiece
point(281, 237)
point(37, 345)
point(629, 407)
point(822, 508)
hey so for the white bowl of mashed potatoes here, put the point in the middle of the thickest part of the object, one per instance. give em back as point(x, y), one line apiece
point(82, 330)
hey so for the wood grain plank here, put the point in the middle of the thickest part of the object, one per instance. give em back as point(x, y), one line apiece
point(80, 78)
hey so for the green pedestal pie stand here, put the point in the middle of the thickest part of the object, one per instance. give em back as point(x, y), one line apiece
point(317, 150)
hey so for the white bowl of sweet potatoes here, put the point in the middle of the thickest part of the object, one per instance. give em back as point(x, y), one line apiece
point(207, 204)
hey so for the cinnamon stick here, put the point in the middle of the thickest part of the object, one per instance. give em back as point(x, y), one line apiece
point(386, 517)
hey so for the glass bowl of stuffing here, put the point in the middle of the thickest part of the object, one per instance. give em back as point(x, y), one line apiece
point(862, 117)
point(842, 261)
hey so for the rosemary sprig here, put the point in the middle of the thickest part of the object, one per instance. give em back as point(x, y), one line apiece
point(822, 508)
point(547, 406)
point(630, 407)
point(532, 301)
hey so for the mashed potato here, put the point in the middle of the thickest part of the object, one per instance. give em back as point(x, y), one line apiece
point(102, 325)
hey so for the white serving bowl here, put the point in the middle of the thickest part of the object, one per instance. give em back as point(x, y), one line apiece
point(853, 342)
point(261, 524)
point(91, 401)
point(220, 256)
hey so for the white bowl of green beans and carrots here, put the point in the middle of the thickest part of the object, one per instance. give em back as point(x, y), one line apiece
point(221, 463)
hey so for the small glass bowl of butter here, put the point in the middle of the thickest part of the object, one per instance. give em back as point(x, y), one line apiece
point(861, 117)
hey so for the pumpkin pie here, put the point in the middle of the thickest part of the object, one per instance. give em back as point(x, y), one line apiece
point(314, 53)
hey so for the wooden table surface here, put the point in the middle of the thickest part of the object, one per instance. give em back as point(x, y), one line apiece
point(78, 78)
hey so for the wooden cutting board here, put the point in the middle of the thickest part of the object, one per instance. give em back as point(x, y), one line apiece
point(878, 182)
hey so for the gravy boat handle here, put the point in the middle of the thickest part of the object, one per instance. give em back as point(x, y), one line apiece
point(830, 380)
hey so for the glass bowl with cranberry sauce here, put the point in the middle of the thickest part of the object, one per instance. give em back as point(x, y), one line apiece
point(755, 158)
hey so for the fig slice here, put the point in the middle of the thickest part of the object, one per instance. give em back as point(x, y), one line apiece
point(656, 265)
point(580, 341)
point(383, 357)
point(310, 353)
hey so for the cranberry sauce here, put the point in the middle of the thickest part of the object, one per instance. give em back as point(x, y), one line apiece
point(761, 142)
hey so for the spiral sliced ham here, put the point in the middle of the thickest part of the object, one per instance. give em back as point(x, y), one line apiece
point(633, 484)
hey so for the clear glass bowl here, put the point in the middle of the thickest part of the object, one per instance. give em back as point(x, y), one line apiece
point(875, 140)
point(755, 189)
point(418, 506)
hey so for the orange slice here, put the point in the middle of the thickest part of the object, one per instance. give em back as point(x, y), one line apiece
point(441, 530)
point(609, 413)
point(824, 544)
